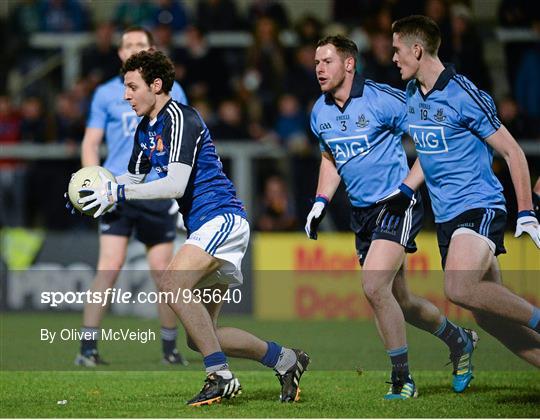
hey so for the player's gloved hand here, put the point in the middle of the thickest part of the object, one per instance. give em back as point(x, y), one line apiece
point(398, 201)
point(315, 216)
point(528, 223)
point(105, 196)
point(68, 204)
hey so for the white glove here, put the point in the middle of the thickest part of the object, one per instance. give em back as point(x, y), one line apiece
point(105, 196)
point(315, 217)
point(179, 218)
point(528, 224)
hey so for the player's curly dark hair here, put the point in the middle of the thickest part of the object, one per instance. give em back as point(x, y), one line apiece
point(152, 65)
point(344, 46)
point(422, 28)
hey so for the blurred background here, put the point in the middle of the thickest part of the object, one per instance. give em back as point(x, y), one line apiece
point(248, 67)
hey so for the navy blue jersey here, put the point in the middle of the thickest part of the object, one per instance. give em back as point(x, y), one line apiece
point(178, 134)
point(449, 126)
point(364, 138)
point(113, 114)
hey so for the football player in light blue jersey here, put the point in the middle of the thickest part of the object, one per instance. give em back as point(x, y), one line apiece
point(173, 139)
point(359, 125)
point(455, 128)
point(153, 223)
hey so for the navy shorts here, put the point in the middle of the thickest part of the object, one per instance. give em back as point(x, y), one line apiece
point(489, 223)
point(368, 225)
point(149, 220)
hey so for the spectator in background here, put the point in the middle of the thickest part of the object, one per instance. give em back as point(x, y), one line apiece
point(200, 69)
point(308, 29)
point(516, 14)
point(377, 63)
point(301, 80)
point(68, 121)
point(292, 125)
point(527, 87)
point(270, 9)
point(467, 48)
point(512, 118)
point(12, 171)
point(63, 16)
point(100, 60)
point(218, 15)
point(266, 68)
point(277, 212)
point(134, 13)
point(163, 39)
point(438, 10)
point(34, 122)
point(231, 124)
point(172, 14)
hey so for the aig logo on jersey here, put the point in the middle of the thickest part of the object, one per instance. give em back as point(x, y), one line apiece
point(428, 139)
point(345, 148)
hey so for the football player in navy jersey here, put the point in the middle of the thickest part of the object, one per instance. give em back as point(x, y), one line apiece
point(152, 223)
point(174, 140)
point(455, 129)
point(359, 124)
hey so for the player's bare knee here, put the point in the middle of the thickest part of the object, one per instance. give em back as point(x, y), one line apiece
point(458, 294)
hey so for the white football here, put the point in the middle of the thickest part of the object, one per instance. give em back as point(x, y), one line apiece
point(87, 177)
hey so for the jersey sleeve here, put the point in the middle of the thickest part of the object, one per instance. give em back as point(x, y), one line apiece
point(393, 109)
point(182, 131)
point(478, 112)
point(178, 94)
point(313, 123)
point(138, 163)
point(97, 117)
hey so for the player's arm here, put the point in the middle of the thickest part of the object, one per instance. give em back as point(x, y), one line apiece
point(329, 181)
point(505, 144)
point(93, 137)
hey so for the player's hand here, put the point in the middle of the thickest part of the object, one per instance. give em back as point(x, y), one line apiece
point(104, 196)
point(315, 217)
point(398, 201)
point(528, 223)
point(68, 204)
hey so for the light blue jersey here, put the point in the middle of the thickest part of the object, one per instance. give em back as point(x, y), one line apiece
point(111, 113)
point(449, 126)
point(364, 138)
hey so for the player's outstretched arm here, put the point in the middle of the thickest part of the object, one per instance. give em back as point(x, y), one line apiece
point(91, 142)
point(505, 144)
point(329, 181)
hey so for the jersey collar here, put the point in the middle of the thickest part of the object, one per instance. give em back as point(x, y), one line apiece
point(443, 79)
point(357, 90)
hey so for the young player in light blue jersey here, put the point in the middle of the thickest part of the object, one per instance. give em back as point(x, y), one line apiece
point(153, 223)
point(173, 139)
point(359, 125)
point(455, 129)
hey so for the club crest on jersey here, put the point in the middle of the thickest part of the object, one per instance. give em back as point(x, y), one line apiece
point(439, 116)
point(325, 126)
point(362, 121)
point(346, 148)
point(428, 139)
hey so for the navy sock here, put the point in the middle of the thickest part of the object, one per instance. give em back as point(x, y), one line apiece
point(216, 361)
point(454, 336)
point(400, 361)
point(272, 354)
point(168, 339)
point(89, 342)
point(534, 322)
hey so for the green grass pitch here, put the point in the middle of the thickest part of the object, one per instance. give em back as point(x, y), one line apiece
point(346, 378)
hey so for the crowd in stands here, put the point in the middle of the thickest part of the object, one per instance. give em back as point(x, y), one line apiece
point(262, 93)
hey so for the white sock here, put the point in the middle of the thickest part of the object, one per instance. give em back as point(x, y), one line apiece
point(287, 358)
point(225, 374)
